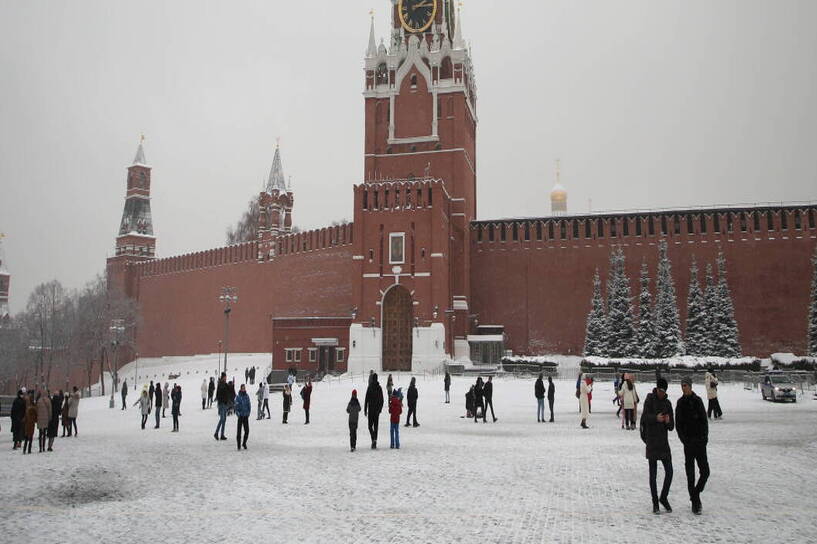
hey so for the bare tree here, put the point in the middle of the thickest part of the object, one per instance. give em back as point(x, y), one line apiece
point(246, 229)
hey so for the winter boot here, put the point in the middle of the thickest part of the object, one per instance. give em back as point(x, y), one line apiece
point(655, 509)
point(665, 503)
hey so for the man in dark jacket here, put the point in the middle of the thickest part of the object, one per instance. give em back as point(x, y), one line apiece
point(693, 430)
point(223, 403)
point(656, 422)
point(539, 393)
point(488, 393)
point(411, 399)
point(158, 403)
point(243, 407)
point(211, 389)
point(124, 394)
point(551, 394)
point(18, 415)
point(447, 385)
point(151, 390)
point(372, 406)
point(478, 392)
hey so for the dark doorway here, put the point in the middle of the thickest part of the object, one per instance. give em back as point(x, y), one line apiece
point(397, 323)
point(326, 359)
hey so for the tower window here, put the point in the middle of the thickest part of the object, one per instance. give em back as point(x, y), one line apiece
point(729, 219)
point(743, 226)
point(676, 224)
point(479, 233)
point(651, 226)
point(716, 223)
point(575, 229)
point(613, 228)
point(527, 232)
point(769, 221)
point(756, 221)
point(690, 225)
point(797, 220)
point(413, 81)
point(811, 219)
point(562, 230)
point(419, 198)
point(539, 230)
point(365, 200)
point(600, 228)
point(664, 225)
point(503, 232)
point(703, 224)
point(429, 196)
point(588, 229)
point(638, 221)
point(625, 226)
point(515, 232)
point(784, 220)
point(550, 230)
point(490, 233)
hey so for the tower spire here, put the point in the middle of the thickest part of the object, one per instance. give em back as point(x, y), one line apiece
point(371, 51)
point(459, 43)
point(276, 180)
point(558, 195)
point(139, 159)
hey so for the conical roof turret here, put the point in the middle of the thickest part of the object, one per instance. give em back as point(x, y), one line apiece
point(139, 159)
point(276, 180)
point(371, 50)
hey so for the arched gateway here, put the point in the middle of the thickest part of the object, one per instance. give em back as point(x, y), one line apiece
point(397, 322)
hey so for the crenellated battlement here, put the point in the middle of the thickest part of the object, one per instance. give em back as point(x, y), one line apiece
point(400, 194)
point(310, 241)
point(690, 224)
point(233, 254)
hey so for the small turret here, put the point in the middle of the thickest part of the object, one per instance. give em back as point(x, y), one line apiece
point(274, 207)
point(558, 195)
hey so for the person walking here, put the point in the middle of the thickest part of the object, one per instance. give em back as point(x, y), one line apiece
point(389, 386)
point(411, 399)
point(478, 395)
point(629, 398)
point(589, 381)
point(469, 402)
point(395, 409)
point(539, 393)
point(166, 398)
point(159, 399)
point(66, 420)
point(204, 394)
point(18, 419)
point(252, 375)
point(54, 422)
point(243, 407)
point(353, 409)
point(656, 421)
point(488, 394)
point(265, 407)
point(246, 374)
point(124, 394)
point(144, 406)
point(306, 395)
point(175, 409)
point(43, 417)
point(151, 391)
point(692, 425)
point(259, 395)
point(584, 401)
point(287, 402)
point(30, 422)
point(447, 385)
point(551, 396)
point(714, 405)
point(372, 406)
point(211, 390)
point(73, 411)
point(223, 404)
point(617, 385)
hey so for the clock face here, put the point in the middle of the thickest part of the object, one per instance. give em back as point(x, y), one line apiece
point(417, 15)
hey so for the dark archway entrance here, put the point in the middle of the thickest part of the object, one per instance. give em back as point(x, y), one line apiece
point(397, 322)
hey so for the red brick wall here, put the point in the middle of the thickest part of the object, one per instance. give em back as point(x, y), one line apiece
point(183, 316)
point(541, 290)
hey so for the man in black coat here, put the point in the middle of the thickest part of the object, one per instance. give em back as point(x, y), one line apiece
point(447, 385)
point(18, 414)
point(411, 399)
point(693, 430)
point(372, 406)
point(158, 403)
point(551, 394)
point(539, 393)
point(124, 394)
point(223, 402)
point(478, 394)
point(488, 393)
point(656, 421)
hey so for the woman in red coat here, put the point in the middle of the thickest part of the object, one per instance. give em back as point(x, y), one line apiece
point(395, 409)
point(306, 394)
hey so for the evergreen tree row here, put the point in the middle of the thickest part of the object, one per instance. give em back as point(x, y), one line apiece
point(812, 314)
point(617, 331)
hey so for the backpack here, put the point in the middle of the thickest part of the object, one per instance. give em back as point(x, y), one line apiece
point(303, 393)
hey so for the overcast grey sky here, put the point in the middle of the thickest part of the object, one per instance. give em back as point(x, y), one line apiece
point(647, 103)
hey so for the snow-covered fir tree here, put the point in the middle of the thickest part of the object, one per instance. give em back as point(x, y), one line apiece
point(727, 325)
point(645, 336)
point(668, 330)
point(812, 313)
point(711, 341)
point(595, 340)
point(620, 332)
point(696, 341)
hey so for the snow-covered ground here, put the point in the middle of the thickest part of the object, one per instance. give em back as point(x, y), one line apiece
point(452, 480)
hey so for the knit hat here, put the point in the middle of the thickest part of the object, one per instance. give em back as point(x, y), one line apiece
point(661, 384)
point(686, 380)
point(354, 392)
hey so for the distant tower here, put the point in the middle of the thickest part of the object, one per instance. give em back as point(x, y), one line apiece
point(135, 241)
point(558, 195)
point(274, 208)
point(5, 281)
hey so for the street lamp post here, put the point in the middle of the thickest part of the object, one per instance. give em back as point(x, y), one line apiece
point(116, 329)
point(229, 296)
